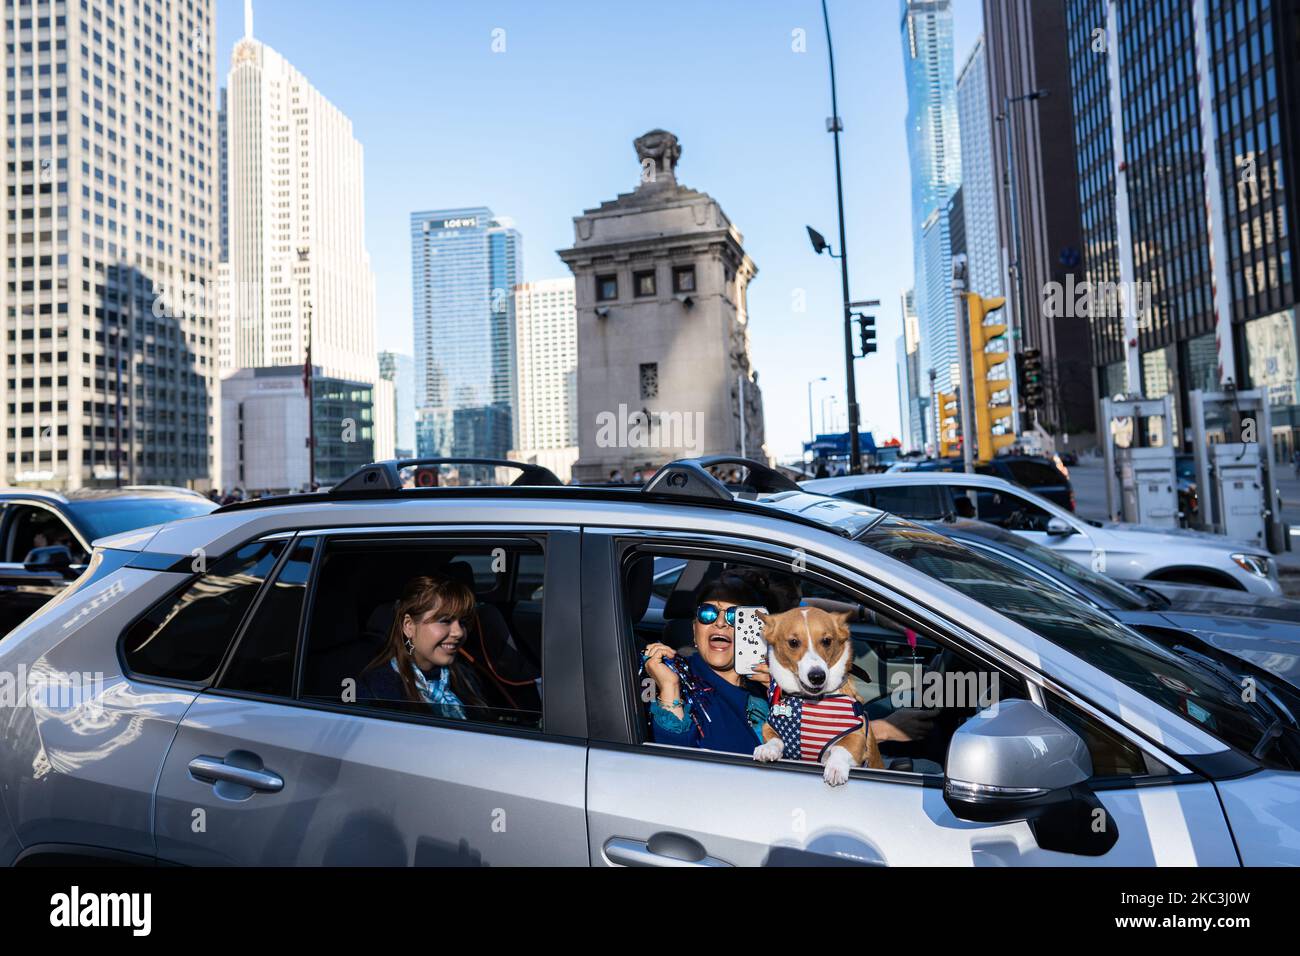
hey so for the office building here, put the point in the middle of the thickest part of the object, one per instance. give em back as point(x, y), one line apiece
point(546, 360)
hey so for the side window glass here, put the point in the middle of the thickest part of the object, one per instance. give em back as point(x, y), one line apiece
point(474, 653)
point(38, 528)
point(263, 661)
point(185, 636)
point(922, 502)
point(1112, 755)
point(914, 690)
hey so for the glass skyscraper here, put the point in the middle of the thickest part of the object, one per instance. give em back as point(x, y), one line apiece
point(1253, 74)
point(465, 264)
point(935, 157)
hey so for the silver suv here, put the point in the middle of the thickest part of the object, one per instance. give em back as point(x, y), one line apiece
point(194, 698)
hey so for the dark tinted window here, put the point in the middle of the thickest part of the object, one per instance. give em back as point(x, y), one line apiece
point(263, 662)
point(185, 636)
point(911, 501)
point(33, 527)
point(1033, 474)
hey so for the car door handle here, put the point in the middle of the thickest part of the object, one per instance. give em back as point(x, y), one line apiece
point(238, 768)
point(662, 849)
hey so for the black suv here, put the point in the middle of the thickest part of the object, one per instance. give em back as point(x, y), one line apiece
point(45, 536)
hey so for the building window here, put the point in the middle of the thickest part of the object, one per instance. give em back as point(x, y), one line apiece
point(644, 283)
point(606, 288)
point(684, 279)
point(650, 380)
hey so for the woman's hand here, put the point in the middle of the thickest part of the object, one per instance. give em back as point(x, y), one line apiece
point(761, 674)
point(663, 676)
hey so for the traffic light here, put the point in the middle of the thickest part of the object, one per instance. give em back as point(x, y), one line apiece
point(983, 362)
point(867, 334)
point(949, 437)
point(1029, 378)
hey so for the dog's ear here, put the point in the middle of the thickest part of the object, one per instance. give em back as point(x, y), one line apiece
point(841, 619)
point(770, 624)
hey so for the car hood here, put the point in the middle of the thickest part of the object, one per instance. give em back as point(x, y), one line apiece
point(1225, 601)
point(1271, 645)
point(1263, 811)
point(1181, 537)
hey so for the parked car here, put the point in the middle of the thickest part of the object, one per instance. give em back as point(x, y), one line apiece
point(226, 691)
point(1043, 476)
point(1125, 551)
point(45, 536)
point(1263, 631)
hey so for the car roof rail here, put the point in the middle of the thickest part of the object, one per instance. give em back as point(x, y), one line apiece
point(690, 478)
point(387, 475)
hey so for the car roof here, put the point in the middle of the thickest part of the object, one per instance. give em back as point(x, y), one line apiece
point(832, 486)
point(98, 494)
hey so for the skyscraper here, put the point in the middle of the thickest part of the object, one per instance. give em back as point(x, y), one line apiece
point(1212, 244)
point(978, 188)
point(400, 370)
point(919, 430)
point(110, 242)
point(1027, 54)
point(299, 270)
point(934, 151)
point(465, 264)
point(546, 360)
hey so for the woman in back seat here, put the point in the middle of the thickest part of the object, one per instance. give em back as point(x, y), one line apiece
point(420, 663)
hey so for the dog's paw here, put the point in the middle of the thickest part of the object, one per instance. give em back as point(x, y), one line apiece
point(838, 765)
point(770, 751)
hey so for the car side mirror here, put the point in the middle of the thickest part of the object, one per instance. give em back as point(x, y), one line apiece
point(1015, 761)
point(55, 557)
point(1059, 527)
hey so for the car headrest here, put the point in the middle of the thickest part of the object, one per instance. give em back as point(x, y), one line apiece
point(380, 621)
point(681, 603)
point(461, 571)
point(640, 579)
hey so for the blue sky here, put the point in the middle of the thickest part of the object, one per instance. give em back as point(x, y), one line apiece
point(543, 130)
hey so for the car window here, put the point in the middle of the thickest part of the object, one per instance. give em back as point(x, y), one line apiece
point(31, 527)
point(1082, 577)
point(106, 516)
point(263, 661)
point(923, 502)
point(185, 636)
point(1177, 679)
point(916, 690)
point(480, 637)
point(1005, 508)
point(1032, 474)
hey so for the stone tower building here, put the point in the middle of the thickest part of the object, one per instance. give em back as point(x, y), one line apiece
point(663, 327)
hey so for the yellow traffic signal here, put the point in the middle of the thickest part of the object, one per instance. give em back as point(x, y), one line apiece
point(949, 424)
point(983, 362)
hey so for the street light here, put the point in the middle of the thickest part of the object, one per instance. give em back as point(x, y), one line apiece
point(812, 434)
point(1009, 186)
point(834, 125)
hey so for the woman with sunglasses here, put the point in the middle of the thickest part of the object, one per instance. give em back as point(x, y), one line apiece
point(728, 710)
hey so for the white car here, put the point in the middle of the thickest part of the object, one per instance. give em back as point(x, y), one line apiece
point(1125, 551)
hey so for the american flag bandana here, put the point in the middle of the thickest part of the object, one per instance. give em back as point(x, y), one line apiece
point(809, 725)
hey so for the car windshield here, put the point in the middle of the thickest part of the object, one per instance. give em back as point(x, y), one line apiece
point(1081, 577)
point(1180, 682)
point(105, 516)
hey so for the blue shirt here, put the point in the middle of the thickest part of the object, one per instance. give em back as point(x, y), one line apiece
point(730, 717)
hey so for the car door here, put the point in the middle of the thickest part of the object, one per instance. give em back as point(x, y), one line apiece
point(651, 805)
point(269, 769)
point(25, 589)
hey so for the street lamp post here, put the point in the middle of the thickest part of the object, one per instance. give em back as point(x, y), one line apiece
point(812, 434)
point(1017, 292)
point(834, 125)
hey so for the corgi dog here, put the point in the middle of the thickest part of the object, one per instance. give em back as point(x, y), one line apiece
point(813, 711)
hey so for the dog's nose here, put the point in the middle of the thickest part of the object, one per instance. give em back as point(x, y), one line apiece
point(817, 677)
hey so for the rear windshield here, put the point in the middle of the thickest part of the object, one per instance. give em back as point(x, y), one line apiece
point(1177, 681)
point(108, 516)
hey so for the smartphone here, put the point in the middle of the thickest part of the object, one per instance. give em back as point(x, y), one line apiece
point(751, 649)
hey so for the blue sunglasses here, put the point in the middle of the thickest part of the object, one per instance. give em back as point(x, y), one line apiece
point(708, 613)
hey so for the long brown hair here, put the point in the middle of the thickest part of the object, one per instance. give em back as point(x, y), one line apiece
point(420, 596)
